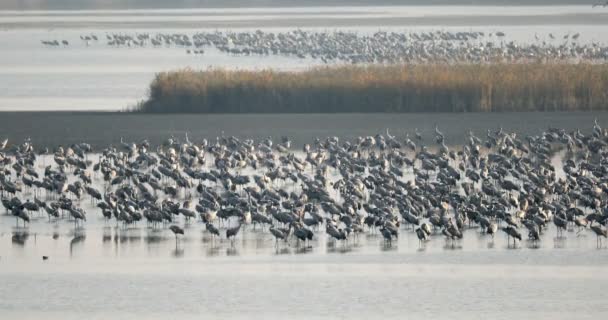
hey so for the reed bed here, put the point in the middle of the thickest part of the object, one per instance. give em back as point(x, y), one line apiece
point(395, 88)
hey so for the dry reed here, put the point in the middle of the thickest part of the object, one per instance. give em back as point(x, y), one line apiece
point(395, 88)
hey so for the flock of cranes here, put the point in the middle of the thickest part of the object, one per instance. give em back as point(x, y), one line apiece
point(601, 4)
point(379, 47)
point(383, 184)
point(55, 43)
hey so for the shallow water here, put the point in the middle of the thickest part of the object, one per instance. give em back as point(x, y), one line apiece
point(306, 291)
point(102, 270)
point(333, 293)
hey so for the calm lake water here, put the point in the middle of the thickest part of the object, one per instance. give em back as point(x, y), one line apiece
point(104, 270)
point(98, 77)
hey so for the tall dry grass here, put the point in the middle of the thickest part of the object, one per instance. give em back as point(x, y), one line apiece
point(397, 88)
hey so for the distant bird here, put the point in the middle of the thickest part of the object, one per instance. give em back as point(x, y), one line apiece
point(492, 228)
point(410, 218)
point(534, 235)
point(426, 228)
point(176, 230)
point(410, 143)
point(560, 223)
point(278, 234)
point(512, 233)
point(19, 213)
point(232, 232)
point(337, 234)
point(438, 135)
point(212, 229)
point(302, 233)
point(454, 231)
point(388, 236)
point(599, 232)
point(77, 214)
point(581, 223)
point(605, 4)
point(422, 236)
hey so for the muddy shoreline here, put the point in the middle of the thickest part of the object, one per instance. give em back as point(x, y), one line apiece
point(101, 129)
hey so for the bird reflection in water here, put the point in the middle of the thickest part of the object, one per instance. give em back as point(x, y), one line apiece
point(178, 252)
point(20, 237)
point(559, 242)
point(532, 244)
point(491, 244)
point(213, 251)
point(387, 247)
point(452, 245)
point(207, 240)
point(153, 236)
point(304, 249)
point(77, 240)
point(106, 235)
point(232, 251)
point(282, 251)
point(334, 247)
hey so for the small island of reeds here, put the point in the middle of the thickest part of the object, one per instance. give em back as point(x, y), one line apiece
point(394, 88)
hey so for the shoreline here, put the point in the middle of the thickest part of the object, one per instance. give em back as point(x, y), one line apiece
point(596, 19)
point(102, 129)
point(265, 4)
